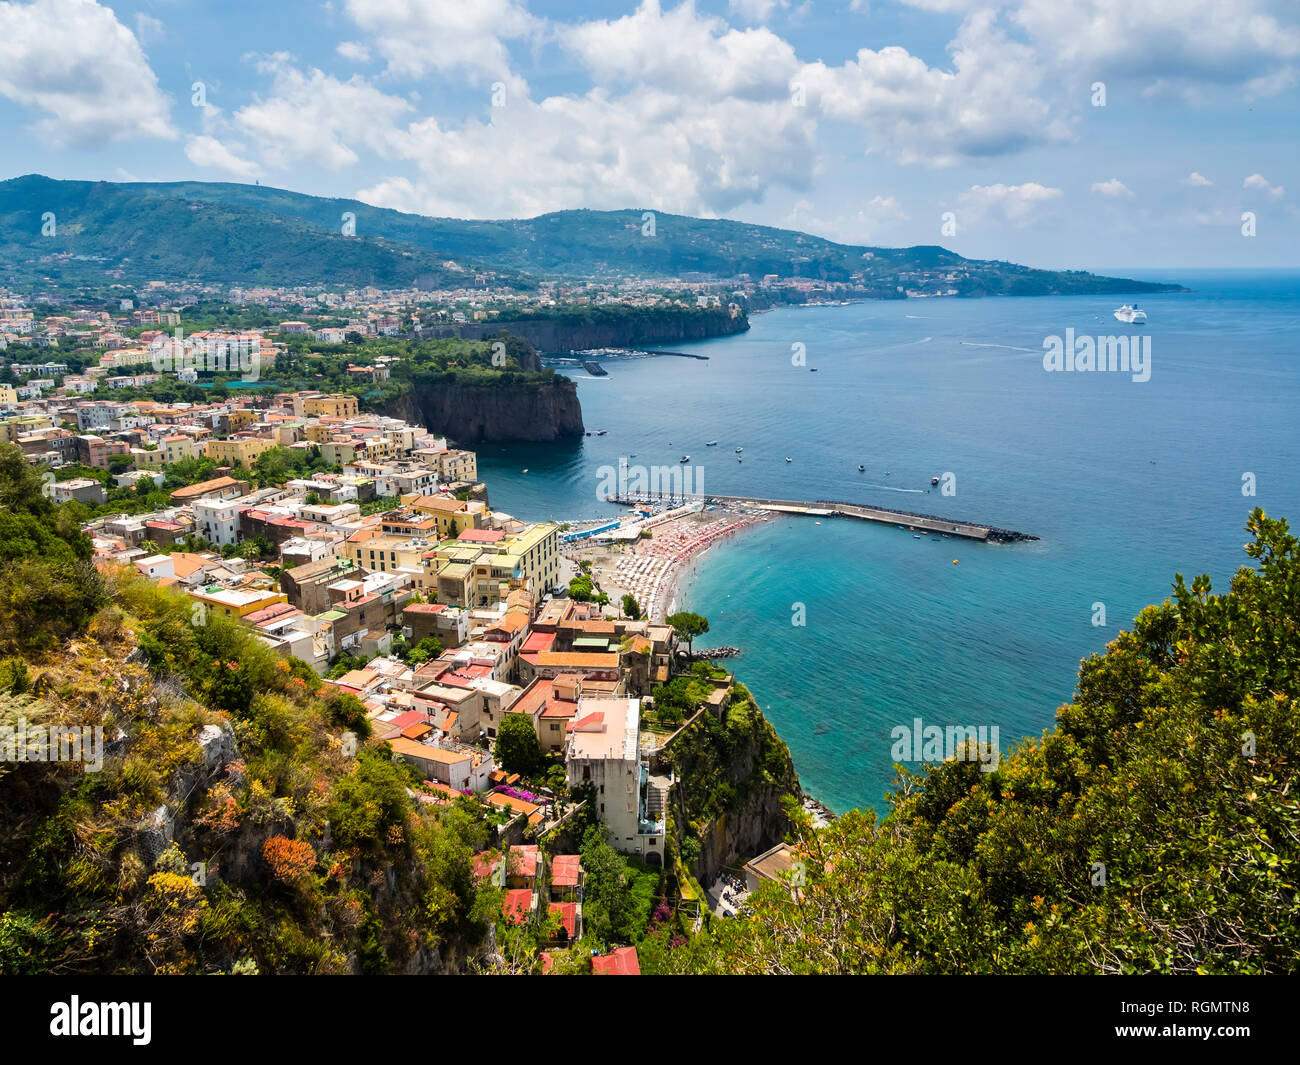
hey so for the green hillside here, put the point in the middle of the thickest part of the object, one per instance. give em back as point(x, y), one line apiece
point(252, 233)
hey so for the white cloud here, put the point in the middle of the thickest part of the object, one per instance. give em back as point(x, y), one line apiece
point(1260, 183)
point(986, 105)
point(878, 216)
point(1114, 188)
point(1166, 45)
point(1019, 205)
point(313, 117)
point(206, 151)
point(684, 53)
point(1197, 181)
point(147, 27)
point(756, 10)
point(645, 150)
point(447, 36)
point(75, 62)
point(354, 50)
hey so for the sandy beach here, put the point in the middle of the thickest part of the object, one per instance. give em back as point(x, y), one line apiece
point(650, 569)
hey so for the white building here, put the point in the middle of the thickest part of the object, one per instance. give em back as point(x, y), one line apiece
point(604, 751)
point(217, 520)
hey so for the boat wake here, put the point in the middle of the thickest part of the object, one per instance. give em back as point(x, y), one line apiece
point(1005, 347)
point(891, 488)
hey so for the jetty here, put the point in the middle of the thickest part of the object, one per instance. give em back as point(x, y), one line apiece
point(909, 520)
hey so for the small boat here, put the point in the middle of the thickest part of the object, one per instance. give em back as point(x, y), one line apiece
point(861, 468)
point(740, 460)
point(711, 443)
point(812, 369)
point(684, 459)
point(524, 470)
point(817, 523)
point(788, 459)
point(934, 480)
point(916, 537)
point(739, 450)
point(601, 432)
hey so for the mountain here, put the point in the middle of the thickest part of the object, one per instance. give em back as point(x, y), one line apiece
point(225, 232)
point(135, 233)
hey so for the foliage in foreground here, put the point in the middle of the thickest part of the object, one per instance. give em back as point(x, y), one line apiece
point(1173, 773)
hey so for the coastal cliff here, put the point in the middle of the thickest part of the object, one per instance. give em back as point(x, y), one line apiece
point(511, 408)
point(607, 328)
point(732, 776)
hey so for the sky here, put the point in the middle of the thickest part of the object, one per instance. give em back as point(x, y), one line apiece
point(1088, 134)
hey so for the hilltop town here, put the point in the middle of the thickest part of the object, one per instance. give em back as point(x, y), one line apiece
point(367, 552)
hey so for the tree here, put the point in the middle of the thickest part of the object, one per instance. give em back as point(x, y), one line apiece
point(518, 749)
point(48, 587)
point(631, 607)
point(1152, 830)
point(428, 648)
point(687, 626)
point(605, 891)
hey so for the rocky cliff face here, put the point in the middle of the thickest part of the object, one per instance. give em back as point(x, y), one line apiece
point(520, 411)
point(562, 336)
point(731, 778)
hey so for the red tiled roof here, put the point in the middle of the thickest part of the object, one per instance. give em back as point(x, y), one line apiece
point(620, 962)
point(409, 717)
point(518, 904)
point(538, 641)
point(565, 869)
point(484, 863)
point(523, 860)
point(568, 914)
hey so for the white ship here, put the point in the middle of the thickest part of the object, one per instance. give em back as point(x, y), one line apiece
point(1131, 315)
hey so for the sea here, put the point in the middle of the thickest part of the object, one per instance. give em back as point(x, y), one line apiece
point(849, 630)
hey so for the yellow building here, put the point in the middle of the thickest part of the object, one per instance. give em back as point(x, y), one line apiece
point(240, 418)
point(242, 451)
point(483, 565)
point(236, 603)
point(332, 406)
point(451, 516)
point(12, 428)
point(385, 553)
point(457, 465)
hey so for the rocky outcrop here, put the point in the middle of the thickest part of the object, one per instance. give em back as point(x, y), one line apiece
point(731, 778)
point(520, 410)
point(562, 334)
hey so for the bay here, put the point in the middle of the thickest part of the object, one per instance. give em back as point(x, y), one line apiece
point(1125, 482)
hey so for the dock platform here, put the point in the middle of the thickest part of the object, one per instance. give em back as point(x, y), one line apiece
point(913, 522)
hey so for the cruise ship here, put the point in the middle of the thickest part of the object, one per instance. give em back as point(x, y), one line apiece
point(1131, 315)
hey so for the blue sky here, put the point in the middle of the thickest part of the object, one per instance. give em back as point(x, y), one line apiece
point(868, 121)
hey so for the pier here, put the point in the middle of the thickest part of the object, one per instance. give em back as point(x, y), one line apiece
point(913, 522)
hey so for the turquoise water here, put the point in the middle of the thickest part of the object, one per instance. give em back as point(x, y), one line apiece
point(1126, 483)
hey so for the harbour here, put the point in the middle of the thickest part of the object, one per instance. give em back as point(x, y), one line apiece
point(912, 522)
